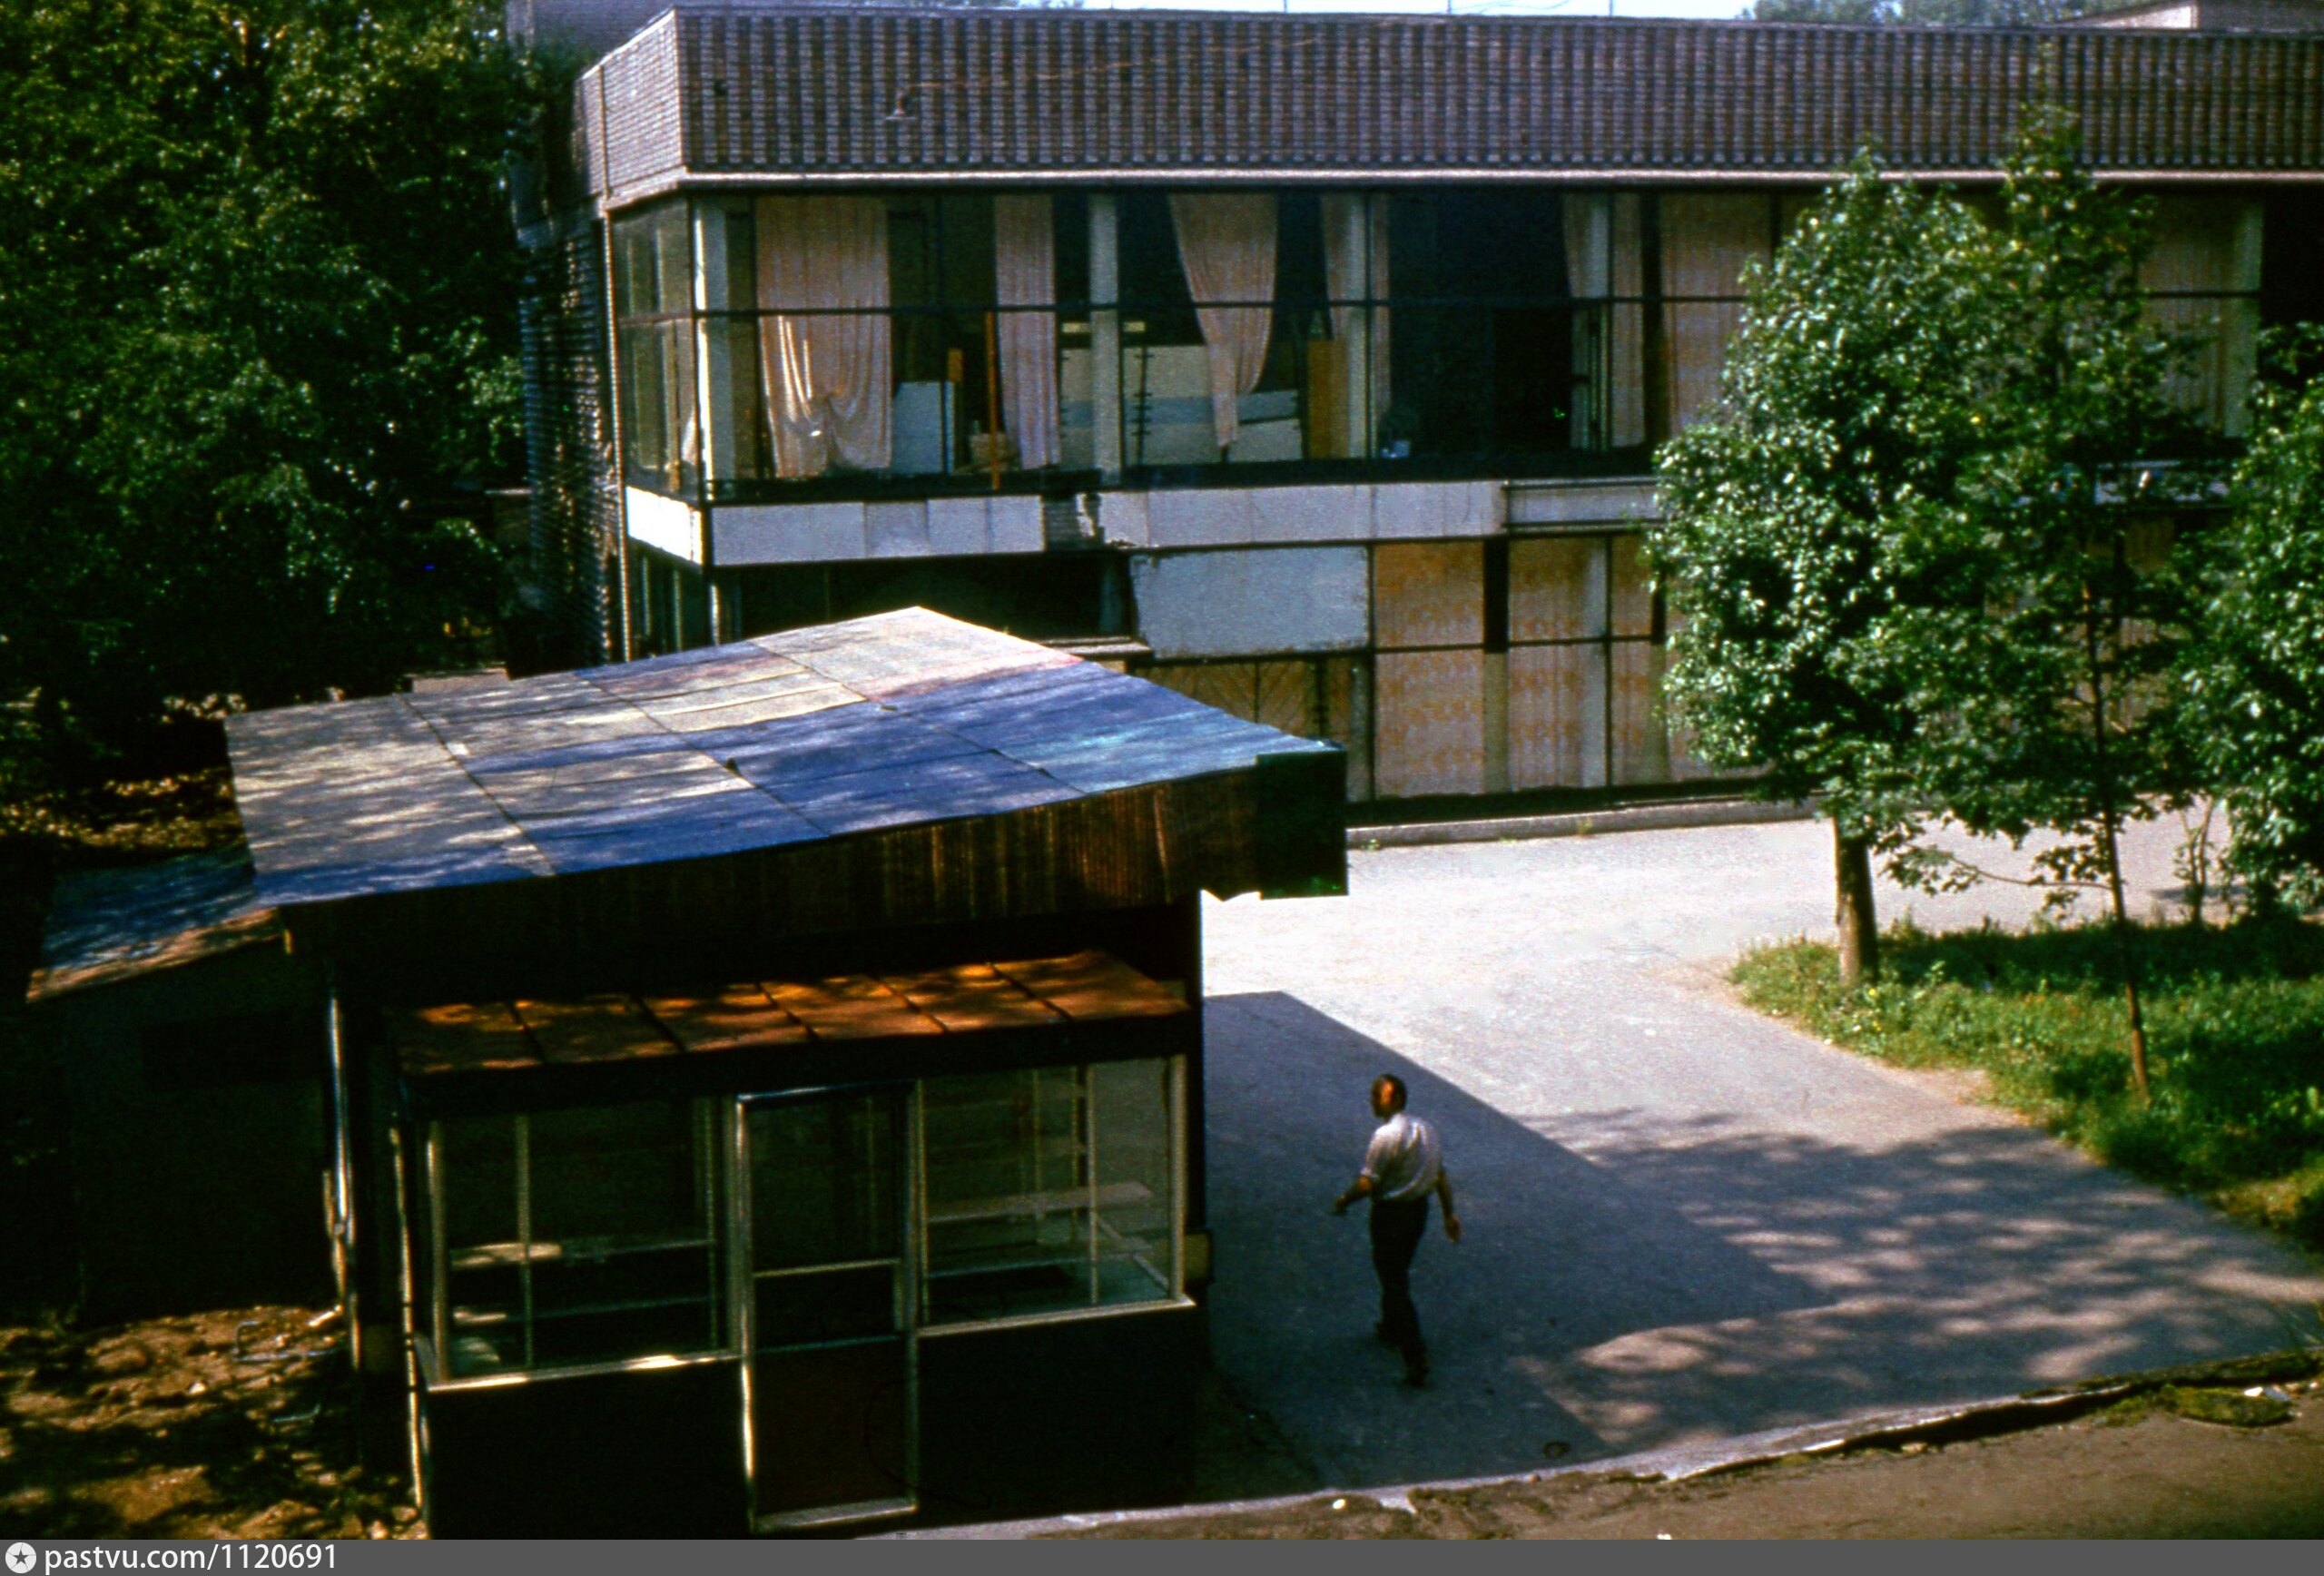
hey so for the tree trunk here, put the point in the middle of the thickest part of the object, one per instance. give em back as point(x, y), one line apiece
point(2126, 939)
point(2111, 821)
point(1859, 926)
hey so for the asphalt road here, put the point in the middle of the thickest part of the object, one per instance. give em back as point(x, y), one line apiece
point(1684, 1222)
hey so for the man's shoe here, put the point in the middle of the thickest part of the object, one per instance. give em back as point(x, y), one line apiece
point(1416, 1378)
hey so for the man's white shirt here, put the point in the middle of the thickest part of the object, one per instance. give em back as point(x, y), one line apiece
point(1403, 1160)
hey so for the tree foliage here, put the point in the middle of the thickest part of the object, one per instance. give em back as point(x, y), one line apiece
point(1806, 517)
point(1809, 522)
point(2255, 680)
point(2051, 685)
point(1919, 561)
point(257, 329)
point(2052, 689)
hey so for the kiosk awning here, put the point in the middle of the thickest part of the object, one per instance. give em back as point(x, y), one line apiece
point(854, 1013)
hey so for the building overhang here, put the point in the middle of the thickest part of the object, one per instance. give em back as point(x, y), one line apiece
point(779, 98)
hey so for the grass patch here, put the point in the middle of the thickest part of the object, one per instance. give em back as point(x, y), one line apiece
point(2235, 1030)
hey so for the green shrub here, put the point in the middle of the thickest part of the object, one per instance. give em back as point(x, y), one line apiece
point(2307, 1219)
point(2235, 1020)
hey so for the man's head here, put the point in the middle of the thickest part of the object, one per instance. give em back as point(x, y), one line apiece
point(1387, 1095)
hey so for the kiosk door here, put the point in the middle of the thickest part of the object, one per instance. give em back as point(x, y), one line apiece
point(824, 1303)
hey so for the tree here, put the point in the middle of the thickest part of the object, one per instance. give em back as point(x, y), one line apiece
point(2255, 678)
point(258, 297)
point(1809, 519)
point(2047, 700)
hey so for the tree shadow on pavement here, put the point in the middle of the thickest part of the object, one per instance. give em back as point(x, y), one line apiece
point(1683, 1279)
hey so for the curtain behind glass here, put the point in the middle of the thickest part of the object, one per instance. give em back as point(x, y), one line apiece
point(1707, 238)
point(1024, 266)
point(1355, 266)
point(827, 377)
point(1226, 245)
point(1602, 264)
point(2209, 244)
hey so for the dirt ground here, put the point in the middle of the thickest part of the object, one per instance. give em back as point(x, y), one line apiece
point(2146, 1468)
point(239, 1425)
point(231, 1424)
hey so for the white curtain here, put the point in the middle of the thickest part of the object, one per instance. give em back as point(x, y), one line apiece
point(1227, 244)
point(1601, 260)
point(1024, 266)
point(827, 377)
point(1706, 239)
point(2209, 244)
point(1355, 265)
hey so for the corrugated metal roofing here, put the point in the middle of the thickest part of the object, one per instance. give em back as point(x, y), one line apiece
point(814, 93)
point(107, 925)
point(901, 719)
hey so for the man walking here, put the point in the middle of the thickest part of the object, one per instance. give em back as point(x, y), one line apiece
point(1403, 1166)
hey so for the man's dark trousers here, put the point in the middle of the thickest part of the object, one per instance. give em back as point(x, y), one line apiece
point(1396, 1231)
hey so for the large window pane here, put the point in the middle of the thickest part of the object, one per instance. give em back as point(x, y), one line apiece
point(1008, 1188)
point(1131, 1127)
point(1049, 1189)
point(575, 1236)
point(826, 1218)
point(651, 263)
point(483, 1329)
point(653, 302)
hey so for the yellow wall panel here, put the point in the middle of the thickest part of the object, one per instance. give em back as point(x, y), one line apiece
point(1429, 736)
point(1633, 586)
point(1428, 593)
point(1557, 716)
point(1556, 588)
point(1231, 686)
point(1286, 698)
point(1641, 751)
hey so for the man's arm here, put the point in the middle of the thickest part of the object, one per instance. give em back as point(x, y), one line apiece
point(1444, 1197)
point(1360, 1188)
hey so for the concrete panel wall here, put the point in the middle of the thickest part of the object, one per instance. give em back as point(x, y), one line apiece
point(1562, 503)
point(1251, 603)
point(1261, 516)
point(743, 535)
point(666, 524)
point(1175, 518)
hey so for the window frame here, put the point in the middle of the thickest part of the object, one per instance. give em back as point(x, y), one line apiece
point(716, 1120)
point(436, 1336)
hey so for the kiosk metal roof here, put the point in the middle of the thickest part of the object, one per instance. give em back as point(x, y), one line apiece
point(901, 719)
point(110, 925)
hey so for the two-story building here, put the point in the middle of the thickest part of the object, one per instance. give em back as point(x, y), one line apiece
point(1309, 364)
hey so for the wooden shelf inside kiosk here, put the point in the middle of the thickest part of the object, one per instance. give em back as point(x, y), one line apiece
point(475, 1037)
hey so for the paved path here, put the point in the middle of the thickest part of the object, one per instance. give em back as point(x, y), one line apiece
point(1685, 1222)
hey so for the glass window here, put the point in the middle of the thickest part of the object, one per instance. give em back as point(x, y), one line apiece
point(573, 1237)
point(654, 347)
point(1131, 1173)
point(1049, 1189)
point(826, 1220)
point(903, 344)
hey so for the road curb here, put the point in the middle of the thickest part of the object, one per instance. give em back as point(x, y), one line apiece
point(1579, 824)
point(2000, 1415)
